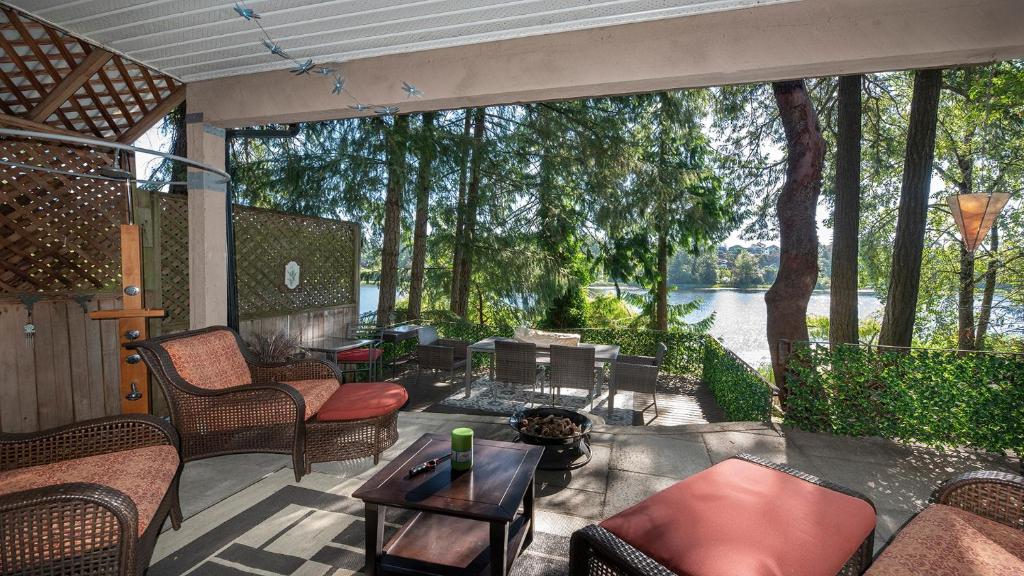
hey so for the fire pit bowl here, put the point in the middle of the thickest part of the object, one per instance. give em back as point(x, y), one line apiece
point(562, 452)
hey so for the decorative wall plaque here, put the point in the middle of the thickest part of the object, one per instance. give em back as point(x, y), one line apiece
point(291, 275)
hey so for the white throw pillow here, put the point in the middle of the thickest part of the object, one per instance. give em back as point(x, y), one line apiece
point(544, 339)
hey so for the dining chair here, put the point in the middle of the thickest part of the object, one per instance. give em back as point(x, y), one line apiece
point(515, 364)
point(572, 367)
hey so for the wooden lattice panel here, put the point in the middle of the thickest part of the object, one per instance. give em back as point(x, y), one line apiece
point(57, 233)
point(266, 241)
point(108, 102)
point(173, 250)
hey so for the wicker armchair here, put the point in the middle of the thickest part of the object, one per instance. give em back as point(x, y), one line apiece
point(637, 374)
point(572, 367)
point(971, 515)
point(223, 401)
point(87, 498)
point(595, 551)
point(445, 354)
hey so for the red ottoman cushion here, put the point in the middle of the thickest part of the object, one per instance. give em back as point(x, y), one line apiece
point(360, 400)
point(742, 518)
point(359, 355)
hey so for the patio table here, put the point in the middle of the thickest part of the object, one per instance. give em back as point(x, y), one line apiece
point(331, 345)
point(603, 353)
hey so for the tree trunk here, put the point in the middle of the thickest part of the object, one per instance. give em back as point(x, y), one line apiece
point(985, 314)
point(419, 235)
point(905, 275)
point(459, 246)
point(965, 301)
point(461, 303)
point(661, 314)
point(395, 143)
point(843, 317)
point(787, 299)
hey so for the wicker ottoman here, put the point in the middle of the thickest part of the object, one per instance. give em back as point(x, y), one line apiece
point(742, 516)
point(359, 420)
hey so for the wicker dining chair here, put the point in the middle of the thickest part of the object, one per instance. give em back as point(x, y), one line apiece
point(637, 374)
point(515, 364)
point(572, 367)
point(444, 354)
point(87, 498)
point(223, 401)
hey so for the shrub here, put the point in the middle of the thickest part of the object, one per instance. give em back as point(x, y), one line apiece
point(739, 390)
point(935, 397)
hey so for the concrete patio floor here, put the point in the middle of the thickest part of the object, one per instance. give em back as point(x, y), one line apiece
point(630, 463)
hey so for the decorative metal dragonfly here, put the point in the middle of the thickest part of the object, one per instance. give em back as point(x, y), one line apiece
point(304, 68)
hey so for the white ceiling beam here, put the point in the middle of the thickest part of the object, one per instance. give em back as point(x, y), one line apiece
point(804, 38)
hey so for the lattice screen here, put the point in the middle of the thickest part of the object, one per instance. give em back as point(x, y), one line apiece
point(57, 233)
point(172, 218)
point(266, 241)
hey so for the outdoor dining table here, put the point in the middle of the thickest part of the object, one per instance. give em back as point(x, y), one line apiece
point(330, 346)
point(603, 353)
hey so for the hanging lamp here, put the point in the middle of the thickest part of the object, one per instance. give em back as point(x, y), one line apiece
point(975, 213)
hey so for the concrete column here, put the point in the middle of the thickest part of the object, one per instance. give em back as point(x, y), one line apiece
point(207, 246)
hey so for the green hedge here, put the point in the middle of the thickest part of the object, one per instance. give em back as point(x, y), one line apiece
point(739, 390)
point(935, 397)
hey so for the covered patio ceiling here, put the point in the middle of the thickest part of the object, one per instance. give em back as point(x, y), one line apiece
point(484, 52)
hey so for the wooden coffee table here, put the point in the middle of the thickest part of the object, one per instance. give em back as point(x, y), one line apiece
point(467, 523)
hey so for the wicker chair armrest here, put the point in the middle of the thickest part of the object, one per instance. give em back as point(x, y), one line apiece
point(994, 495)
point(82, 439)
point(596, 551)
point(306, 369)
point(627, 359)
point(36, 521)
point(461, 346)
point(633, 377)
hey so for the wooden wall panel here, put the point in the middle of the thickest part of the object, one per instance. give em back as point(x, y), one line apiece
point(67, 372)
point(306, 326)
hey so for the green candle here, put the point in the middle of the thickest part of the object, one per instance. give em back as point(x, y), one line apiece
point(462, 449)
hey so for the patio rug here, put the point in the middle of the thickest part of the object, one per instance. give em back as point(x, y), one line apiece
point(314, 528)
point(497, 398)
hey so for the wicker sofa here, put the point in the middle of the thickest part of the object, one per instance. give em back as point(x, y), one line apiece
point(223, 401)
point(975, 526)
point(87, 498)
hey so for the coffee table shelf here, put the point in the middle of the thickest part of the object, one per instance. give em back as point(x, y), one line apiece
point(424, 545)
point(466, 523)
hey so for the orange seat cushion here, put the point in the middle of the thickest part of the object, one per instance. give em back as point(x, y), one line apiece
point(948, 541)
point(142, 474)
point(209, 360)
point(315, 393)
point(358, 355)
point(739, 518)
point(359, 400)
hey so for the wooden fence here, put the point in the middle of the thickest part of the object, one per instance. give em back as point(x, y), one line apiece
point(68, 371)
point(60, 258)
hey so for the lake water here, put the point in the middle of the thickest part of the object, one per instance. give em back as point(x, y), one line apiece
point(741, 318)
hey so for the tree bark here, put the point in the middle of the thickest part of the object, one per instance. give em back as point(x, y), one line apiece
point(661, 314)
point(905, 274)
point(419, 235)
point(461, 291)
point(459, 244)
point(843, 317)
point(965, 301)
point(787, 299)
point(985, 314)
point(395, 146)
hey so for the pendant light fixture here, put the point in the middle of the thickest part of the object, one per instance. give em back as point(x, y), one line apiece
point(975, 213)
